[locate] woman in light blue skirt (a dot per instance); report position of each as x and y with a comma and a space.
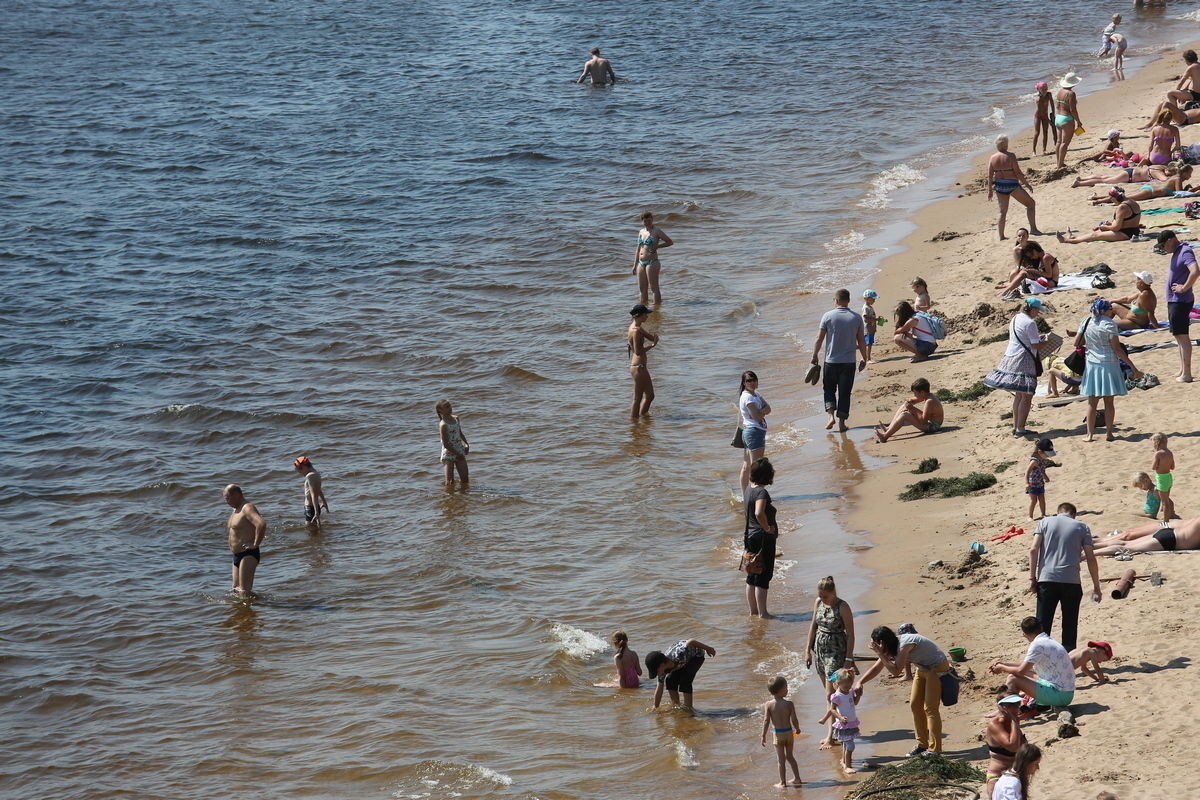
1102, 376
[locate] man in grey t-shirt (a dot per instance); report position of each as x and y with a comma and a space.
841, 333
1059, 544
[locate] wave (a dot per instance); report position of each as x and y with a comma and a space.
576, 642
484, 180
452, 778
996, 118
1191, 16
684, 755
509, 371
850, 240
198, 412
515, 155
747, 308
787, 663
889, 181
788, 437
243, 241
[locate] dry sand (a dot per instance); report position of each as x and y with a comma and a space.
1134, 729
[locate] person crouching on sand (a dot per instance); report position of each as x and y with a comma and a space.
923, 411
1088, 659
780, 713
1005, 179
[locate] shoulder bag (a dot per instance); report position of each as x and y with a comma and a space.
1078, 358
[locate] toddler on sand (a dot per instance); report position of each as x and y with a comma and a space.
1035, 476
921, 289
844, 715
626, 661
1089, 658
780, 713
1151, 503
1164, 462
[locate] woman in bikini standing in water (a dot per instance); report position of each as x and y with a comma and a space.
1004, 179
645, 258
643, 387
1066, 115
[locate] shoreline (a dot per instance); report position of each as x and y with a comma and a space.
957, 611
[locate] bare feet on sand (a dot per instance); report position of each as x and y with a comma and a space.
829, 425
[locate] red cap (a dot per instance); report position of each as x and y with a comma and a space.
1105, 646
301, 462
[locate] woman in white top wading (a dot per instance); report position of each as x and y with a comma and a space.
754, 410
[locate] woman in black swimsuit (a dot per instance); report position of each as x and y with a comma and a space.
1003, 736
1126, 223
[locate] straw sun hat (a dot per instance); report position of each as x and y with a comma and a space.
1069, 80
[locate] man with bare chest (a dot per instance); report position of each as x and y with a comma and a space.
599, 69
246, 531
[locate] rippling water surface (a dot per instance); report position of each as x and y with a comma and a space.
232, 233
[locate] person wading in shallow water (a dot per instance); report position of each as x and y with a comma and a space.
246, 531
639, 370
599, 69
841, 333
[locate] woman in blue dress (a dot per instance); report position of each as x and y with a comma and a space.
1102, 377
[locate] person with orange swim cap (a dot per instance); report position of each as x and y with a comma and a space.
314, 495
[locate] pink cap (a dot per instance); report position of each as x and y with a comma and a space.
1041, 85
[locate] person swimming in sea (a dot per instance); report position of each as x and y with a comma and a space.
636, 343
1005, 179
598, 69
645, 259
246, 531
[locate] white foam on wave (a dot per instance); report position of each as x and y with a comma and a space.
487, 773
684, 755
787, 663
996, 118
787, 437
1027, 98
851, 240
783, 565
576, 642
1192, 16
889, 181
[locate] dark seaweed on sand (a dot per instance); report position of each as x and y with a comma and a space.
925, 778
926, 465
973, 392
948, 487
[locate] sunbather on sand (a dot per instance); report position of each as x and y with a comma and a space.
1179, 534
1149, 191
1127, 175
1178, 115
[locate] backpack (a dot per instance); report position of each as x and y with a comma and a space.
937, 328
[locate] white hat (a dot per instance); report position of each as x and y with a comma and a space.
1144, 277
1069, 80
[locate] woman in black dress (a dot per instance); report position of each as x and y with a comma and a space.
760, 535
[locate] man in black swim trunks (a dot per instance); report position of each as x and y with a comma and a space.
246, 531
1178, 534
1190, 79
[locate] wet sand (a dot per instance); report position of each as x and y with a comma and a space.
1131, 727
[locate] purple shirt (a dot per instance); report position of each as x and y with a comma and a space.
1182, 261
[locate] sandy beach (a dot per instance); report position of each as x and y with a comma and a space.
1131, 726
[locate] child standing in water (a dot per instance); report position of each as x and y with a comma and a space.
870, 320
1151, 503
1036, 478
1041, 118
921, 301
454, 444
1164, 462
1106, 36
844, 716
781, 713
626, 662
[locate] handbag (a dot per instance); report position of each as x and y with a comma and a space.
751, 563
1078, 358
1037, 362
950, 687
737, 439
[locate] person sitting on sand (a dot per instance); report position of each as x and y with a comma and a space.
1126, 223
1147, 191
1089, 659
1056, 371
913, 333
923, 411
1137, 310
1045, 674
1179, 116
1153, 537
1141, 174
1014, 783
1164, 140
1109, 150
1005, 179
1034, 265
1188, 88
1003, 737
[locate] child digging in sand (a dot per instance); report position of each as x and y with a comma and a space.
626, 661
780, 713
1164, 462
1036, 478
844, 715
1151, 503
1089, 659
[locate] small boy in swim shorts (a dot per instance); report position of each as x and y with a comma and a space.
1164, 462
870, 320
780, 713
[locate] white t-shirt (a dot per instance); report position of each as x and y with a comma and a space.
1026, 331
745, 400
1008, 787
1052, 661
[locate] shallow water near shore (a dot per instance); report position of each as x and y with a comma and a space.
237, 233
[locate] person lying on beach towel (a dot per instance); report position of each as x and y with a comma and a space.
1149, 191
1153, 537
1127, 175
